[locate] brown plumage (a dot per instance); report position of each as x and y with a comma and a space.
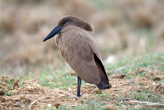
79, 50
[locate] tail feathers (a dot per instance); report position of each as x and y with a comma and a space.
104, 83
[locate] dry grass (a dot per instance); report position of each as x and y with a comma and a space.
125, 27
30, 95
139, 79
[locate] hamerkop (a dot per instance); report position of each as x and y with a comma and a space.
79, 50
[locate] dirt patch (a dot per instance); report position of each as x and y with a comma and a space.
119, 76
30, 95
159, 88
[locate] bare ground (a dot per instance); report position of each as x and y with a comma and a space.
30, 95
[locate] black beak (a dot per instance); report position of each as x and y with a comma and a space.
55, 31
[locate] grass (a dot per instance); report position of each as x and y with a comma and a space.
133, 22
142, 96
148, 63
57, 79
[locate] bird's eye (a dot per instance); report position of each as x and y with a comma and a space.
64, 22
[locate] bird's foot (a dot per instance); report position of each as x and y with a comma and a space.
78, 95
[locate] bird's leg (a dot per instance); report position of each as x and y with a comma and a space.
78, 86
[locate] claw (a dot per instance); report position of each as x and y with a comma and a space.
78, 87
78, 95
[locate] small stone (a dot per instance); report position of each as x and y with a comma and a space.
49, 105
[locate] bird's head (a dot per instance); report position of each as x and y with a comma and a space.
67, 21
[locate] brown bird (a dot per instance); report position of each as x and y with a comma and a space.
79, 50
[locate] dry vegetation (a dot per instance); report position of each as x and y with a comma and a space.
123, 94
122, 29
125, 27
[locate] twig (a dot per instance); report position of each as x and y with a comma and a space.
117, 70
146, 104
32, 104
125, 99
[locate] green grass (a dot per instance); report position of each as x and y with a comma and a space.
144, 95
57, 79
7, 87
150, 62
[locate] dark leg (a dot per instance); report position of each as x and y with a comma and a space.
78, 86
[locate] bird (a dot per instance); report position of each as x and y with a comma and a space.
79, 49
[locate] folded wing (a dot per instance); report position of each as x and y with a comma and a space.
79, 55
